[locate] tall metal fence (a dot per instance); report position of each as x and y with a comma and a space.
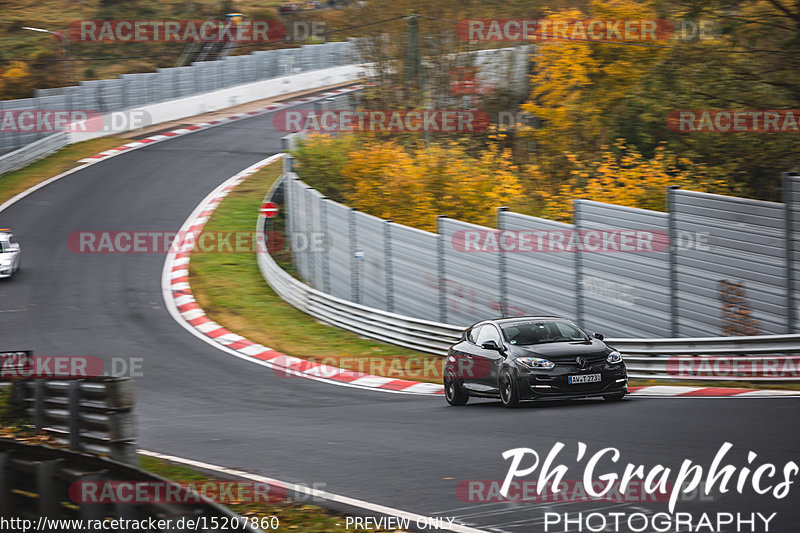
135, 90
711, 266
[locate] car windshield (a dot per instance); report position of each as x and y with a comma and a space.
543, 331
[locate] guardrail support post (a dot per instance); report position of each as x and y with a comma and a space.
311, 263
355, 292
789, 220
288, 161
388, 264
38, 405
6, 497
74, 410
326, 243
92, 511
441, 270
48, 490
125, 452
501, 262
673, 260
580, 314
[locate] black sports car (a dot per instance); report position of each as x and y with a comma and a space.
531, 358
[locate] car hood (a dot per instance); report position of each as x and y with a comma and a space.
562, 351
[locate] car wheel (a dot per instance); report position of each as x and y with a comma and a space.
453, 392
614, 397
509, 394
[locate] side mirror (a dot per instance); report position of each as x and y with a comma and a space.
490, 345
598, 336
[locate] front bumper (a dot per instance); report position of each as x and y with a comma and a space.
554, 383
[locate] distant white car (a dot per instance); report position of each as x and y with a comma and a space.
10, 254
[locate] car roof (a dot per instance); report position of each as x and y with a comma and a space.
515, 319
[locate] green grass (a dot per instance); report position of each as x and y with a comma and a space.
17, 181
230, 288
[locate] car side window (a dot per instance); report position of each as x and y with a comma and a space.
489, 333
472, 335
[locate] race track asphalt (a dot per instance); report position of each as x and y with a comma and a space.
406, 452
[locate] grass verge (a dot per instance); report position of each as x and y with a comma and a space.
231, 290
229, 287
65, 159
233, 293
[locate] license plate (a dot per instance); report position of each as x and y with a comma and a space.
585, 378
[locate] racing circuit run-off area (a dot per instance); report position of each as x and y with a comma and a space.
378, 266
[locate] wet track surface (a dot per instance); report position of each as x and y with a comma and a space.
400, 451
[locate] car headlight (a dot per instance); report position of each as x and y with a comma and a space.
5, 262
614, 357
536, 362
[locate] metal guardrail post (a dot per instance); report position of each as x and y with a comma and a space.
579, 283
18, 399
74, 410
673, 260
5, 485
441, 270
355, 292
388, 267
48, 489
501, 262
311, 263
789, 220
93, 511
326, 250
38, 405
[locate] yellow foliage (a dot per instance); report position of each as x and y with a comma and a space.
16, 80
413, 185
627, 179
577, 84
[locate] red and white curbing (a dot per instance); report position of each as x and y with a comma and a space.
184, 308
181, 302
663, 391
205, 125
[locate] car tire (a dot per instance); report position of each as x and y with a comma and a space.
509, 395
614, 397
453, 392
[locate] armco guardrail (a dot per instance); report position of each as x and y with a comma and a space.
89, 415
35, 483
137, 91
32, 152
713, 265
422, 335
651, 358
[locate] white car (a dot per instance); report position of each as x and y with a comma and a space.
10, 254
